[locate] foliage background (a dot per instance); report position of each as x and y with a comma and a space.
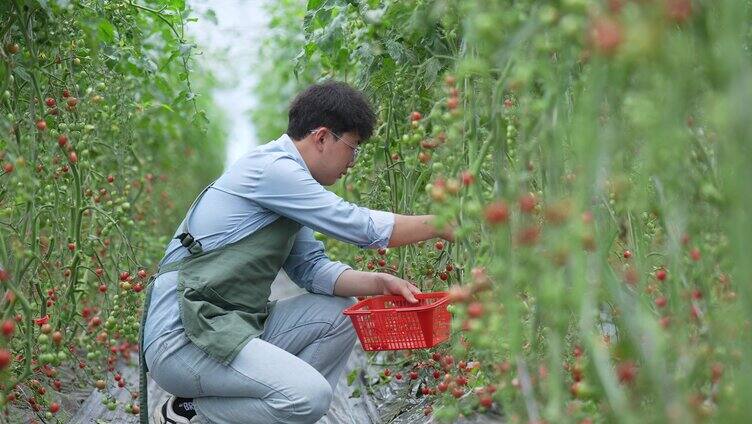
612, 137
93, 184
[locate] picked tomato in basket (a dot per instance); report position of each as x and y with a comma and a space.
390, 322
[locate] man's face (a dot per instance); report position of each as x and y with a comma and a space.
338, 154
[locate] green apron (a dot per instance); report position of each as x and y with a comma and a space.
223, 294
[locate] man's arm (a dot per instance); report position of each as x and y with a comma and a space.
407, 229
410, 229
288, 189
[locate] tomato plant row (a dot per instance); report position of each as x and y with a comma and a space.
101, 136
593, 154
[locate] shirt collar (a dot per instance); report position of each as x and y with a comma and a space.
289, 146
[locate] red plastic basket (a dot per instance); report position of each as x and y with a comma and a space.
391, 322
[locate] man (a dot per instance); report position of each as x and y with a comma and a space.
211, 337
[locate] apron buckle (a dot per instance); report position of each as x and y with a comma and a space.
187, 240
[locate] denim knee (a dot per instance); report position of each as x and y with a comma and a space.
313, 403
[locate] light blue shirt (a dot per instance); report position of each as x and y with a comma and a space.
269, 181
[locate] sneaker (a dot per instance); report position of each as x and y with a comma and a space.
176, 410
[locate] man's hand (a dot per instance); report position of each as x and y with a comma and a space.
397, 286
447, 233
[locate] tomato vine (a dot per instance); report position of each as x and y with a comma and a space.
99, 120
588, 151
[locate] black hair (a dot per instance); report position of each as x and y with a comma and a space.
332, 104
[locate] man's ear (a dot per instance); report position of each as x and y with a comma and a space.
318, 138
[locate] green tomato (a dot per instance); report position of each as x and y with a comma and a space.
472, 207
548, 15
571, 25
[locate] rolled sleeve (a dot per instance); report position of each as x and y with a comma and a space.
381, 225
308, 266
325, 277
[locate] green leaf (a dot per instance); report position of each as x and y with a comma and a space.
395, 50
180, 98
310, 48
166, 106
21, 72
169, 59
351, 376
356, 393
150, 66
314, 4
162, 84
178, 4
432, 68
106, 31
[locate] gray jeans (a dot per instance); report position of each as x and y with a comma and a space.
287, 375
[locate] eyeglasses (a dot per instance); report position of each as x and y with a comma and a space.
355, 149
